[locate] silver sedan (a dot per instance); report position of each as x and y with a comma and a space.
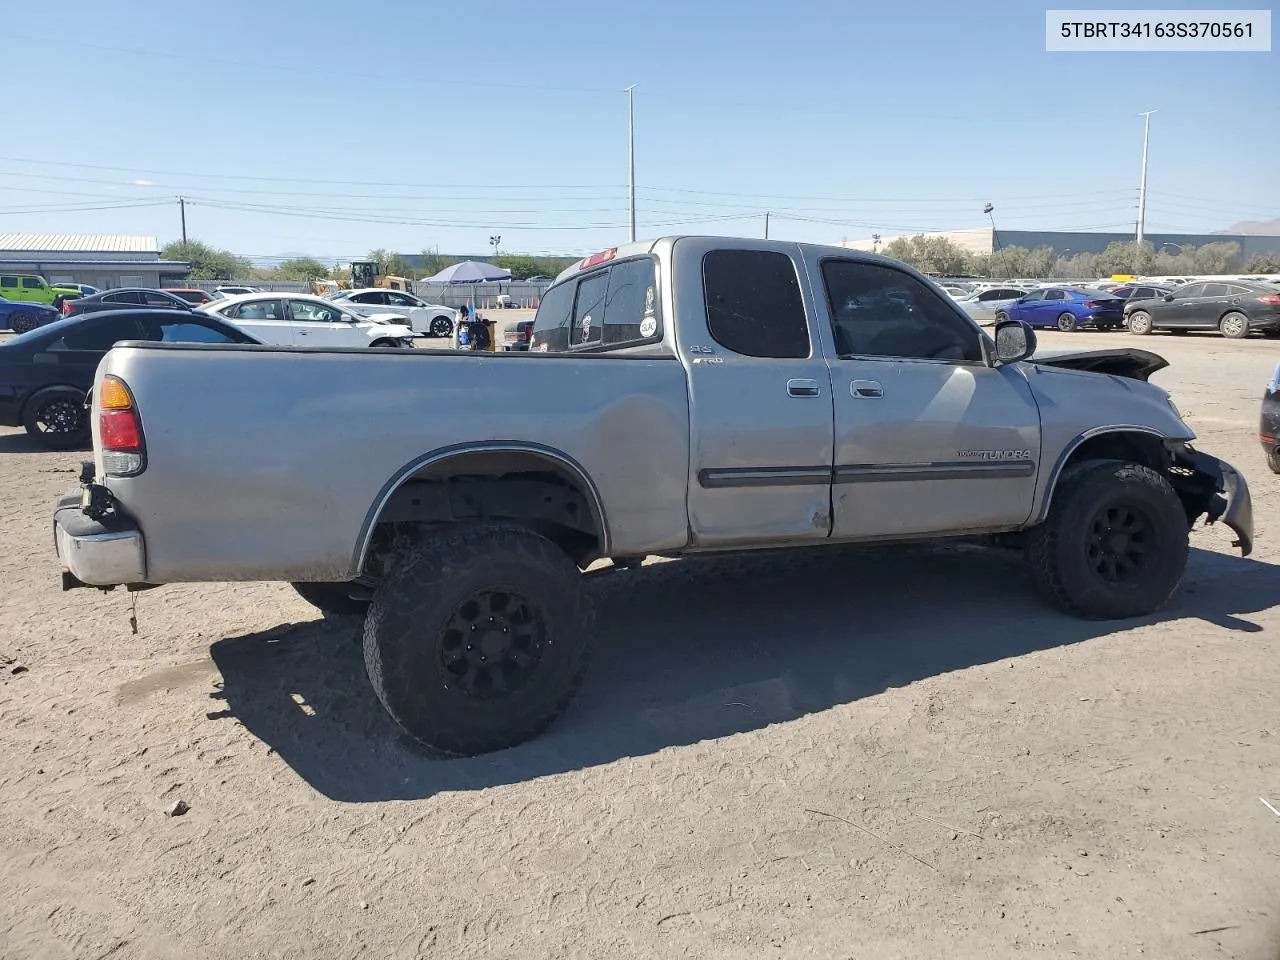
983, 305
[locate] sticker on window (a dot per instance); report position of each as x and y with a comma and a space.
648, 326
586, 328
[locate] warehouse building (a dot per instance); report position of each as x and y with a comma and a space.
105, 261
985, 240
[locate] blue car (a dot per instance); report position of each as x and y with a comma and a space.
21, 317
1067, 309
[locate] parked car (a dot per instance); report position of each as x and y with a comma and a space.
296, 319
1235, 309
21, 317
123, 299
464, 494
193, 295
982, 305
517, 336
45, 373
235, 290
1141, 291
83, 288
1269, 428
431, 319
23, 288
1067, 309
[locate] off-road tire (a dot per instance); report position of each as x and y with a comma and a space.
408, 636
331, 599
1142, 319
1059, 550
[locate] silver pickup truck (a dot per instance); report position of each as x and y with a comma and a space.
686, 395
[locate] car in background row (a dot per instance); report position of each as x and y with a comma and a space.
431, 319
83, 288
21, 317
45, 374
1141, 291
192, 295
517, 336
1269, 427
295, 319
1066, 308
124, 298
235, 290
983, 305
1235, 309
24, 288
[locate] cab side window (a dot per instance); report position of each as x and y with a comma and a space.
878, 311
753, 302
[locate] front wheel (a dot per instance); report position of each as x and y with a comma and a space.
1234, 325
478, 638
1114, 544
1067, 323
441, 327
57, 418
22, 322
1273, 459
1140, 323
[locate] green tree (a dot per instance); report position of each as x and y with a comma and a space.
303, 268
1263, 263
390, 263
521, 267
207, 263
936, 255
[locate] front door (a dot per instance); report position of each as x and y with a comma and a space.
321, 325
1182, 311
759, 397
928, 437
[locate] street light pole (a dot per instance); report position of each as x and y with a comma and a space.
1142, 186
631, 156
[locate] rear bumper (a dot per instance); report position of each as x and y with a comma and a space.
96, 553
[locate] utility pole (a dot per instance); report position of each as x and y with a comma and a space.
631, 156
1142, 188
182, 207
766, 224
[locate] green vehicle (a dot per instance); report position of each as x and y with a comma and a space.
22, 288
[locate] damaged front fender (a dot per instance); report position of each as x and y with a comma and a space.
1214, 488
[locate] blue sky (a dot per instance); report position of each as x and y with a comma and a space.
332, 128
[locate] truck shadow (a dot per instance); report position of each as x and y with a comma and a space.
696, 650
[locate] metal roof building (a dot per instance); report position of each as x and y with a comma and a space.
101, 260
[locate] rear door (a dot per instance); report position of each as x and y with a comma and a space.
265, 319
761, 441
928, 437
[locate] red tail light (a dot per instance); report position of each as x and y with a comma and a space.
66, 308
1270, 299
119, 429
526, 334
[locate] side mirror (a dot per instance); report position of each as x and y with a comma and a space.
1168, 297
1015, 340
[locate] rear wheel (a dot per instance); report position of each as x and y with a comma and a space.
1114, 544
1273, 459
387, 342
1140, 322
478, 638
57, 418
1067, 323
1234, 325
21, 321
441, 327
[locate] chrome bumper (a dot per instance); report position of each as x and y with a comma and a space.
96, 553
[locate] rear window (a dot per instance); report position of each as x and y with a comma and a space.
551, 323
588, 310
753, 301
186, 331
607, 309
101, 333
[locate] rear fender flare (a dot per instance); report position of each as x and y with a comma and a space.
555, 458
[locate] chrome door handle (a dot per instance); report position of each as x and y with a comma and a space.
866, 389
803, 388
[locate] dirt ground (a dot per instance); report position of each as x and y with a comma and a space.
895, 753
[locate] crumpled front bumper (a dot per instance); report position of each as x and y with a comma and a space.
1229, 500
96, 553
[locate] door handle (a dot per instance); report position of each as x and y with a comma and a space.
866, 389
803, 388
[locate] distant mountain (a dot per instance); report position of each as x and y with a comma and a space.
1254, 228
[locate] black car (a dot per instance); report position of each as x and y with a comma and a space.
46, 373
1269, 428
124, 299
1237, 308
1141, 291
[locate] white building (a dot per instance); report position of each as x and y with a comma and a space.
100, 260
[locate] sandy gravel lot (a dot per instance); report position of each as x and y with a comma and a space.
898, 753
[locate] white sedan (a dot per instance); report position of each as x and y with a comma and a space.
984, 305
432, 319
298, 320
